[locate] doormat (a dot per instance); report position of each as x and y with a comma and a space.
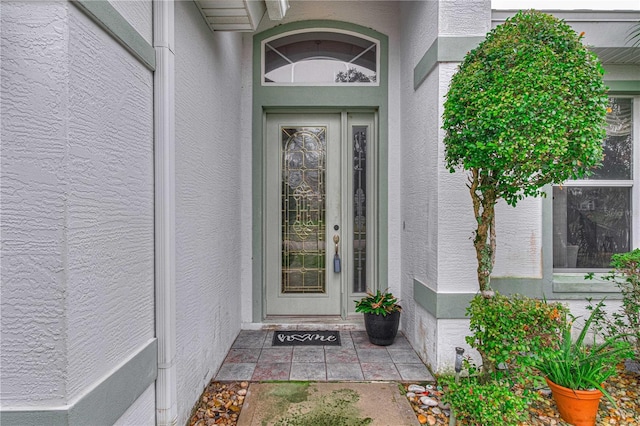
306, 338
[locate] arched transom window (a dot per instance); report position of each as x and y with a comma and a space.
320, 57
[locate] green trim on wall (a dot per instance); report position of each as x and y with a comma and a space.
316, 98
107, 17
443, 49
102, 405
530, 287
629, 87
441, 305
425, 65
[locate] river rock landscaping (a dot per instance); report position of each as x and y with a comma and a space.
221, 402
624, 388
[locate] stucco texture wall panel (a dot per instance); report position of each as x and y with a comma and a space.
464, 17
208, 200
519, 239
110, 210
33, 156
447, 345
419, 30
425, 341
419, 176
456, 254
139, 14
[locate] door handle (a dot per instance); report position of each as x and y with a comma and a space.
336, 257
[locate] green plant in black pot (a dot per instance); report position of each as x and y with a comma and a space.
577, 371
378, 303
381, 316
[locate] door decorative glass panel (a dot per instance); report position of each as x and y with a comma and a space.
318, 215
359, 209
303, 209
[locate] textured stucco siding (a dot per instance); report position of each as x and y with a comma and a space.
419, 176
519, 239
34, 156
77, 204
208, 200
139, 14
110, 231
456, 255
451, 334
464, 17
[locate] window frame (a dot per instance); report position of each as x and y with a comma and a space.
263, 45
563, 274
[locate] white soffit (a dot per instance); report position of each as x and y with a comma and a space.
240, 15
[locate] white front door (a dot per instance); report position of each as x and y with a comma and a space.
315, 186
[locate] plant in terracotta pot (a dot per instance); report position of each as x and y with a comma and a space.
576, 372
381, 316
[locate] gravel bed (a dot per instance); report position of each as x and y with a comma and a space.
221, 402
624, 389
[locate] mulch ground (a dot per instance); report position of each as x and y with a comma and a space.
221, 402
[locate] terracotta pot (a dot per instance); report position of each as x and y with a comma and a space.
577, 407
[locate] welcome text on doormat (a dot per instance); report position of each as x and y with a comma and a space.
306, 338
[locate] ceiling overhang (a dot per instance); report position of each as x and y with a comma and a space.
240, 15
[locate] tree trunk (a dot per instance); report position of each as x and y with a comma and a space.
484, 202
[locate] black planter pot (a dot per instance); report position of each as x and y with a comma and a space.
382, 330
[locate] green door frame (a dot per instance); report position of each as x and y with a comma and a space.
310, 98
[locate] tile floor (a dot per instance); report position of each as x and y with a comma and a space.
253, 358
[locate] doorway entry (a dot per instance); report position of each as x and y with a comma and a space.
319, 216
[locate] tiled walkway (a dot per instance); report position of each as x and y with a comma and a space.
253, 358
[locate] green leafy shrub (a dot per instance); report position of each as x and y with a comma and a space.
577, 366
624, 323
379, 303
497, 402
512, 332
525, 109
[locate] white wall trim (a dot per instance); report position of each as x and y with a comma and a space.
165, 208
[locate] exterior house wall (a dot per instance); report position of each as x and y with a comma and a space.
77, 206
77, 197
209, 230
437, 215
34, 130
419, 168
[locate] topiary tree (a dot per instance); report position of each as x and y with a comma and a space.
526, 108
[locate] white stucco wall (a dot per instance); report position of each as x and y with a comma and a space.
77, 204
419, 167
456, 255
109, 229
33, 155
209, 229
